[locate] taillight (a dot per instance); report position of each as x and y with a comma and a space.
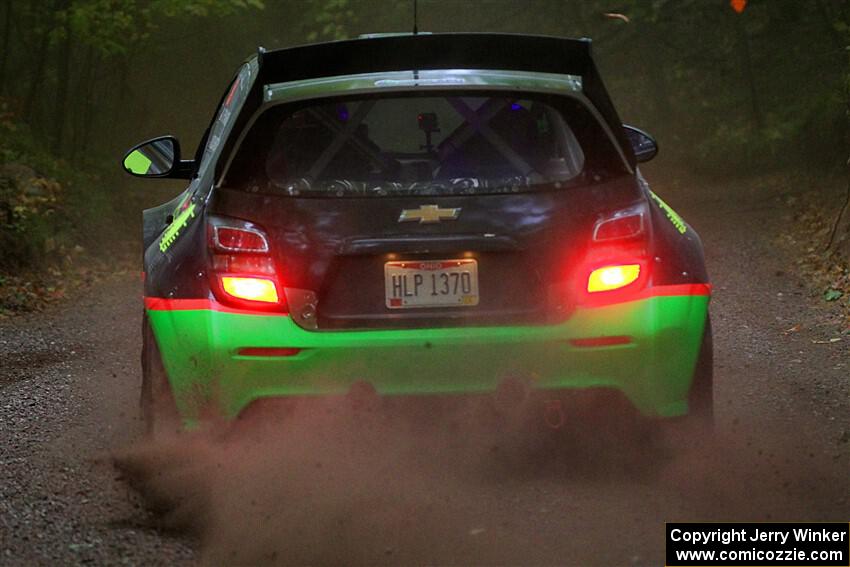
252, 289
242, 271
237, 263
609, 278
231, 239
622, 225
616, 263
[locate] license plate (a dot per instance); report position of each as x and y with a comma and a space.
437, 283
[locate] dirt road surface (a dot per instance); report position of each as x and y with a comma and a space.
68, 403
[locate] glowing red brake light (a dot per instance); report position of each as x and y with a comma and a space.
250, 289
609, 278
242, 271
616, 265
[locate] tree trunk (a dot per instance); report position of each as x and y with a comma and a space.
63, 67
840, 235
37, 77
84, 94
4, 44
832, 14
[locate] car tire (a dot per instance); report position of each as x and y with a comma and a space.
159, 411
701, 396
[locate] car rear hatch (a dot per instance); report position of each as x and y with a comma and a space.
420, 210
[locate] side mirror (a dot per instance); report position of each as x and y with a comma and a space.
644, 146
159, 157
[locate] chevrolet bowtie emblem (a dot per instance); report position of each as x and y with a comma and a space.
428, 214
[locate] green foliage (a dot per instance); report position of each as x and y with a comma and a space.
110, 27
204, 8
60, 50
736, 92
29, 200
832, 295
47, 205
329, 19
116, 28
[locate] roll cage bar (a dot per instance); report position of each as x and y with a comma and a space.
475, 122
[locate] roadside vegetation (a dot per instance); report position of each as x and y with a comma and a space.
730, 89
811, 239
63, 225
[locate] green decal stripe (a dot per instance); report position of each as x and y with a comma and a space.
672, 215
199, 349
173, 230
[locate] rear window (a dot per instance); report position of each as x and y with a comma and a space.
423, 145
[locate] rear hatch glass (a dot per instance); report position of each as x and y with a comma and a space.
423, 144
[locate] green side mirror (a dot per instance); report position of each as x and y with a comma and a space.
159, 157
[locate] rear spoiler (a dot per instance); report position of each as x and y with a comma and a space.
508, 52
428, 51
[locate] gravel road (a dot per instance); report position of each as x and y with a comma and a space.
68, 404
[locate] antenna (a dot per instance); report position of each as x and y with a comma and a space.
415, 17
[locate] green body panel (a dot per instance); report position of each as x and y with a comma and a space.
199, 351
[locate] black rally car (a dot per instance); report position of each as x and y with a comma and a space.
422, 214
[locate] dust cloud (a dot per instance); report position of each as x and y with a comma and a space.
333, 483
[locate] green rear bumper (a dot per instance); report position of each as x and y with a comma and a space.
199, 350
